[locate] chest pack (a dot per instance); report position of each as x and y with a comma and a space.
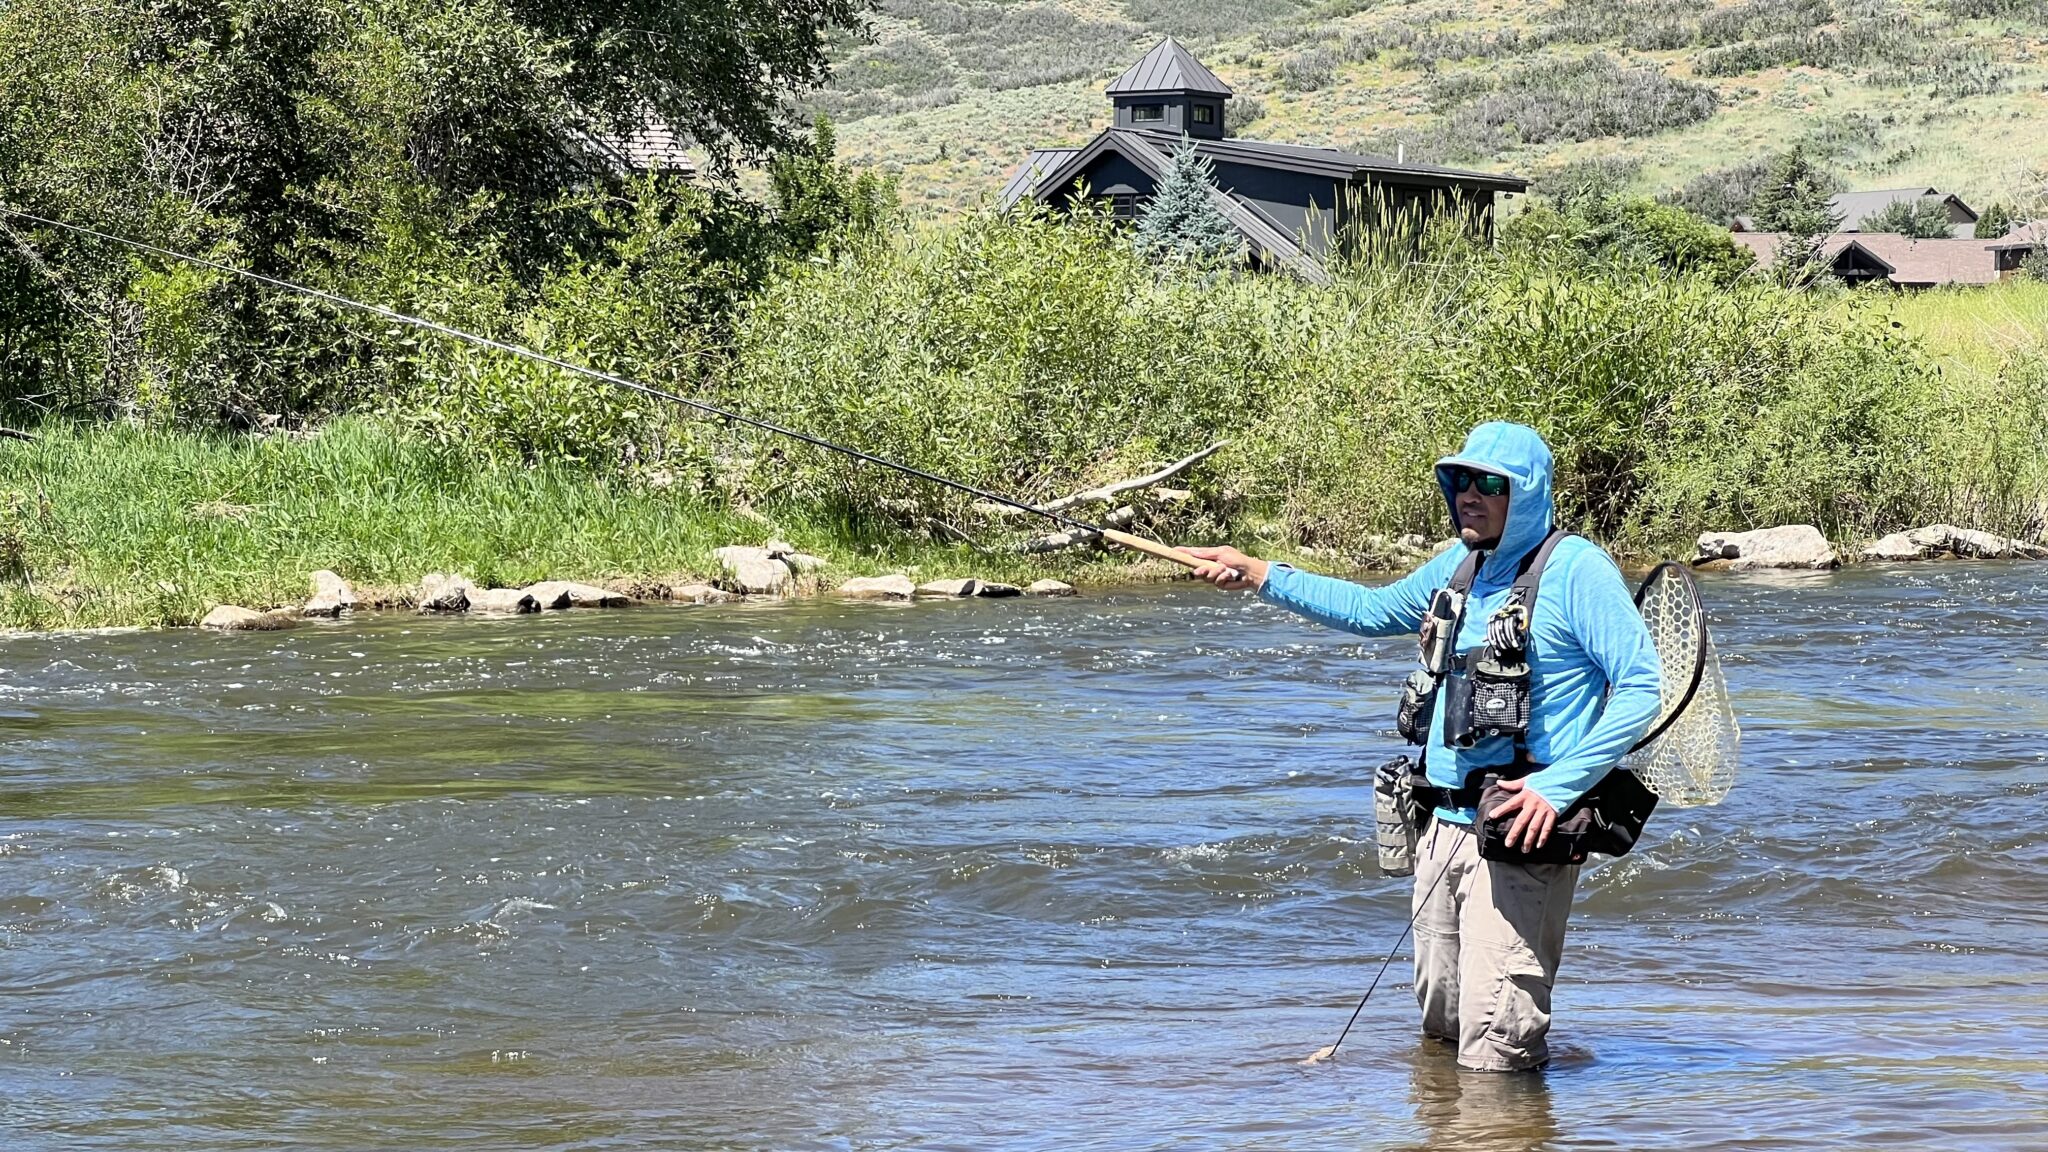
1485, 692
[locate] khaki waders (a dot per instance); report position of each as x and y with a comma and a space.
1488, 939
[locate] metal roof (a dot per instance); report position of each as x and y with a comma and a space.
1041, 164
1329, 161
1852, 208
1168, 67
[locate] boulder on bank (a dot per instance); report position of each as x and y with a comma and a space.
802, 563
1049, 588
895, 586
997, 590
229, 618
949, 588
1938, 541
1799, 546
445, 592
503, 602
331, 596
752, 571
558, 594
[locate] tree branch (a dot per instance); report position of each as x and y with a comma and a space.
1110, 492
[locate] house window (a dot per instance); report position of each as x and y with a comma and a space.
1148, 113
1124, 206
1204, 114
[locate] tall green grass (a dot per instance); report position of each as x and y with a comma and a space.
123, 525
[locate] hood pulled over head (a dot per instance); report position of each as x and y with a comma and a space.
1518, 453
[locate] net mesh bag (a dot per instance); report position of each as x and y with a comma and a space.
1693, 761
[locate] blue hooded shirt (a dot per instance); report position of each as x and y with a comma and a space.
1594, 673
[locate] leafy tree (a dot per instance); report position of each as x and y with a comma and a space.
1996, 221
1633, 230
1924, 218
817, 198
1182, 222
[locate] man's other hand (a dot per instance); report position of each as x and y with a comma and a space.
1227, 568
1534, 817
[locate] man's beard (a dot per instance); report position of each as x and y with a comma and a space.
1473, 541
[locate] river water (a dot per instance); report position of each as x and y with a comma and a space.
1089, 873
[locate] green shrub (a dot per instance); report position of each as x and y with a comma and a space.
1564, 99
1037, 356
1925, 218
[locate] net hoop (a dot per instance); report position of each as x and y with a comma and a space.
1699, 658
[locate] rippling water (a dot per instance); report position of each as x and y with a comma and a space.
1044, 875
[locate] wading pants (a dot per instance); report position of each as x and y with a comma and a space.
1488, 937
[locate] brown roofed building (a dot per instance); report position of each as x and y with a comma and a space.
1900, 261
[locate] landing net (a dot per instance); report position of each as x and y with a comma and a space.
1694, 750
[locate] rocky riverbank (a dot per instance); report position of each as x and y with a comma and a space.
770, 571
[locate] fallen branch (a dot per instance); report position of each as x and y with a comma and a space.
17, 434
1072, 536
1110, 492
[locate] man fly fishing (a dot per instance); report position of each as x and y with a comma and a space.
1538, 676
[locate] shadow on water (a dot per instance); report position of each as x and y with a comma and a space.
1039, 875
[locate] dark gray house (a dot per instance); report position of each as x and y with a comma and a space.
1288, 200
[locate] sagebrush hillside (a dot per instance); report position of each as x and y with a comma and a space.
1952, 93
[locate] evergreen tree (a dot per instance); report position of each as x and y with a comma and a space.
1996, 221
1181, 223
1793, 199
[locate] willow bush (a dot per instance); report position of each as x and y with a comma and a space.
1038, 356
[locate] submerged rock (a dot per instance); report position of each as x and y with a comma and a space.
444, 592
701, 594
230, 618
1049, 588
951, 588
503, 602
997, 590
1799, 546
753, 571
331, 596
895, 586
557, 594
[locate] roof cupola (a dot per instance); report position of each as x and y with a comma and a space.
1170, 91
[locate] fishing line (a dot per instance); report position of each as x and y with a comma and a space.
1327, 1053
567, 366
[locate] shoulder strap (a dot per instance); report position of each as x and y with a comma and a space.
1530, 578
1468, 571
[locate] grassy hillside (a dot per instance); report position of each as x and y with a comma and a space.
1952, 93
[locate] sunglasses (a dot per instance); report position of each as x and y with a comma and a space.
1488, 483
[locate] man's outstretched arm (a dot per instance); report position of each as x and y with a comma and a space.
1393, 610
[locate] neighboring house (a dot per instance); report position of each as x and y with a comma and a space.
1900, 261
1851, 209
1287, 200
2009, 251
653, 147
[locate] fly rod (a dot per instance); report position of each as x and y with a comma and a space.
1123, 539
